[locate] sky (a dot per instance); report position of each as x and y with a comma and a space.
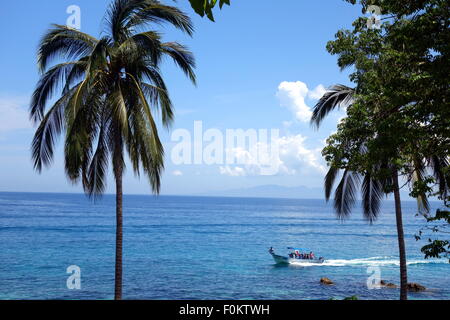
260, 67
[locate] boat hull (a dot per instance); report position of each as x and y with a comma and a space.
285, 260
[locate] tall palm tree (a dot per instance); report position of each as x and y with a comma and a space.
110, 89
374, 188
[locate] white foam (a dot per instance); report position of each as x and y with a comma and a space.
371, 261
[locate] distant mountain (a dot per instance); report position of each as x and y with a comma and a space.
272, 191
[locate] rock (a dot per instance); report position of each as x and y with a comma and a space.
415, 287
385, 284
326, 281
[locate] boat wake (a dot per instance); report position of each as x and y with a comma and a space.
372, 261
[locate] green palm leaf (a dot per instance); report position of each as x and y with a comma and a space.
346, 193
337, 96
109, 90
65, 43
372, 193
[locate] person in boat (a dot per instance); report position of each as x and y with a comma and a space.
311, 255
271, 250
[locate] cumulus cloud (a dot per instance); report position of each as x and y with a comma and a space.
292, 95
296, 157
13, 114
245, 162
177, 173
285, 155
317, 93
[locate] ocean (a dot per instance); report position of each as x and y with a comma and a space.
204, 248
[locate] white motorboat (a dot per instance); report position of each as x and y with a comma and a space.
296, 256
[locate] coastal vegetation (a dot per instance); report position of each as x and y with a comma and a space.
396, 131
395, 135
111, 90
414, 21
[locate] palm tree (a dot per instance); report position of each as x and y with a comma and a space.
110, 89
373, 187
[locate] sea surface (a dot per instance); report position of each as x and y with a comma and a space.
203, 248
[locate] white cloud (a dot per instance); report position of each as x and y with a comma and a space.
13, 114
317, 93
291, 157
292, 95
177, 173
296, 157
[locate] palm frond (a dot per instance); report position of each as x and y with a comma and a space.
345, 194
159, 97
154, 12
152, 75
119, 112
65, 43
76, 74
117, 16
110, 90
80, 116
46, 87
48, 131
337, 96
153, 161
372, 192
152, 166
438, 164
182, 57
98, 61
329, 181
94, 181
145, 45
418, 176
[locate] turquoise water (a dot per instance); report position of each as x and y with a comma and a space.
202, 248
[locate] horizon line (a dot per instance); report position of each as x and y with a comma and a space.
190, 196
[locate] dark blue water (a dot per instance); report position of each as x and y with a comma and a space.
202, 248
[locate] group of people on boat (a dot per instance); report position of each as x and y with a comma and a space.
298, 255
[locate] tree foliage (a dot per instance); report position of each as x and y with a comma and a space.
110, 91
205, 7
398, 112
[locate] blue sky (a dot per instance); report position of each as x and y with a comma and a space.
261, 65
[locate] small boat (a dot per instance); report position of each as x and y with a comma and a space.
296, 256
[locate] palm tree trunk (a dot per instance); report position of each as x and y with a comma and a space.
119, 236
401, 239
